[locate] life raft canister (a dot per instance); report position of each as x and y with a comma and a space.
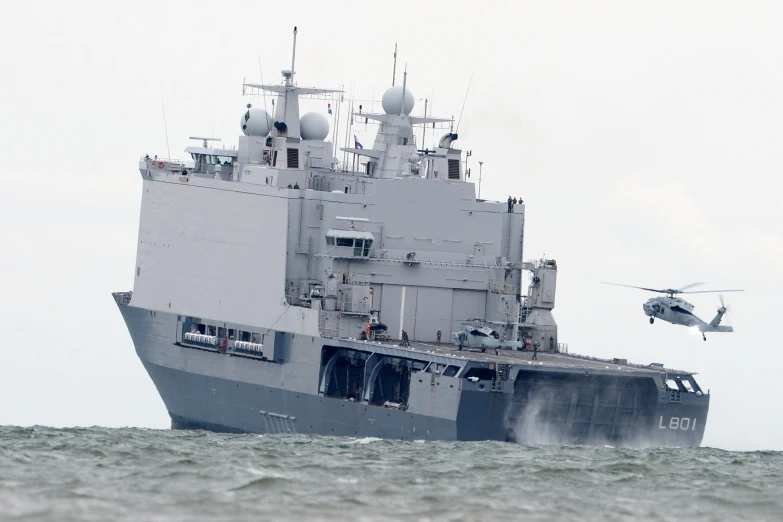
161, 164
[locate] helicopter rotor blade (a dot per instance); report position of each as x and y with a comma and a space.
638, 287
711, 291
688, 286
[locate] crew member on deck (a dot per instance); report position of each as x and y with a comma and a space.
535, 351
437, 343
404, 341
510, 205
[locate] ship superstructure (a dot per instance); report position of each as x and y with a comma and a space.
277, 290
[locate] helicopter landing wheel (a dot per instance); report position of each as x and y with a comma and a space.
652, 320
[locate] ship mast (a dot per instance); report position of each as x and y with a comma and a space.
290, 79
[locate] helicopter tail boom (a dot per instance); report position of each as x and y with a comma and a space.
720, 328
714, 325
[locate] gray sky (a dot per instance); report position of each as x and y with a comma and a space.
644, 140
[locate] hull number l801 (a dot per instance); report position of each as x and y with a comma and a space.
678, 423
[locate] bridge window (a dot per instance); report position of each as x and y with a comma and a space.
360, 242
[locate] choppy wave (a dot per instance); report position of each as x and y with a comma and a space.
136, 474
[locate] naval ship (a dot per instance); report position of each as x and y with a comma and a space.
279, 290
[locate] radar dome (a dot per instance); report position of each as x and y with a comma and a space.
314, 126
392, 100
256, 122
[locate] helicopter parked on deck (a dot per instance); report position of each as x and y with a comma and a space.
479, 333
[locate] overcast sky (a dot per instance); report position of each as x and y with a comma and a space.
644, 139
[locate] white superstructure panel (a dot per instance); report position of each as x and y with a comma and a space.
215, 253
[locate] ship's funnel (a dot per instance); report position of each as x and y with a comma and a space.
281, 127
447, 139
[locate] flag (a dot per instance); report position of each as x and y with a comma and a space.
356, 143
329, 107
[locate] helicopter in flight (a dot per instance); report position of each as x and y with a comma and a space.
676, 310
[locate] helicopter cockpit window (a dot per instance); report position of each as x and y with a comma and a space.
478, 333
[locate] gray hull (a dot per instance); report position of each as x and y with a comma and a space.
231, 392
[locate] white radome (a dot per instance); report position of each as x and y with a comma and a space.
392, 100
255, 122
314, 126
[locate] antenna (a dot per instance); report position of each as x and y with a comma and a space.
481, 164
394, 70
465, 101
336, 128
404, 82
293, 57
165, 127
263, 91
289, 77
424, 127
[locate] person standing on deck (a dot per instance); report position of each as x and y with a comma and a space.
535, 351
437, 343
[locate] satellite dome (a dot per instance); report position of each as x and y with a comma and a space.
314, 126
392, 100
255, 122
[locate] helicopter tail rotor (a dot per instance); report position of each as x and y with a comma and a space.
723, 306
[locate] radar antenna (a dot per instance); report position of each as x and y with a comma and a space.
206, 140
